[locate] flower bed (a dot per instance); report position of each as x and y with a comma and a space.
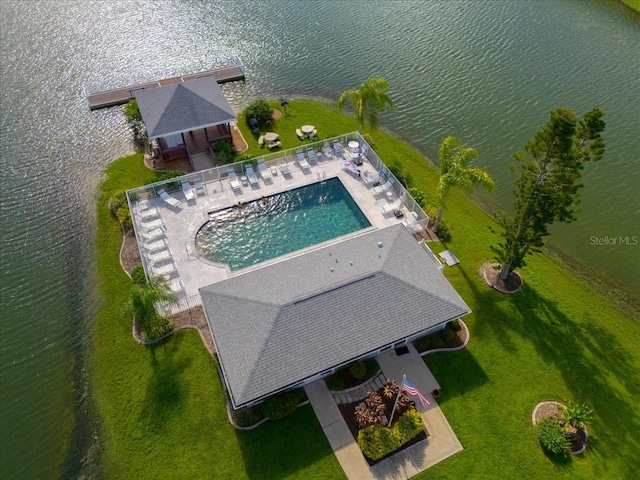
368, 421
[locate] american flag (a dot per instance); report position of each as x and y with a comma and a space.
411, 389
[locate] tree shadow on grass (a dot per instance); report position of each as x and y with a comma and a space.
591, 362
166, 391
282, 448
456, 372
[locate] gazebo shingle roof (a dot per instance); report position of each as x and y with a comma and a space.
182, 107
287, 321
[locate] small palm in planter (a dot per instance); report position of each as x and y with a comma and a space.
575, 416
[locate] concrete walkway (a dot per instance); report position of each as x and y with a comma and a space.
441, 444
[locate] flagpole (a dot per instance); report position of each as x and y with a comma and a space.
404, 377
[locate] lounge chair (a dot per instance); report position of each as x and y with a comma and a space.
168, 199
145, 214
311, 155
251, 175
390, 207
263, 170
197, 183
284, 168
337, 148
233, 179
186, 189
159, 256
382, 188
301, 135
304, 165
155, 246
152, 235
327, 150
151, 224
166, 269
351, 168
276, 144
369, 179
176, 287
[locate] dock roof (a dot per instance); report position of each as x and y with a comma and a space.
183, 107
288, 321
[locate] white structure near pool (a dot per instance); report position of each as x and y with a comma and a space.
319, 292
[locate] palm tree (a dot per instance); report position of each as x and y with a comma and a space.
455, 171
142, 306
368, 101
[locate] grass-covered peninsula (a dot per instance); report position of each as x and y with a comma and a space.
162, 407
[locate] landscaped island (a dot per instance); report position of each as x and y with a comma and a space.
163, 408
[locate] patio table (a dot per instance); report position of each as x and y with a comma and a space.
271, 136
307, 129
353, 145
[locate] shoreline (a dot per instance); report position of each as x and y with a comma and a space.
121, 393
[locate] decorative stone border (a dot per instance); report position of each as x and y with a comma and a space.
558, 406
451, 349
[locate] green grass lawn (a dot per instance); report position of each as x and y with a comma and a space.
162, 407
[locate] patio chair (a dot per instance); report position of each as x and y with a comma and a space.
233, 179
151, 224
263, 170
152, 235
158, 257
164, 270
176, 287
313, 133
327, 150
304, 165
168, 199
300, 135
197, 183
284, 168
390, 207
337, 148
148, 213
186, 189
251, 175
311, 155
382, 188
155, 246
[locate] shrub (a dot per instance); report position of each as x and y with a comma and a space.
444, 231
258, 109
552, 437
403, 177
447, 335
390, 389
162, 176
409, 425
377, 441
119, 206
134, 117
137, 275
418, 195
281, 405
423, 343
369, 140
248, 416
358, 370
335, 382
154, 326
224, 152
454, 325
437, 340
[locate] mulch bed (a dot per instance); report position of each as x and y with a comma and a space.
490, 272
348, 413
457, 341
553, 410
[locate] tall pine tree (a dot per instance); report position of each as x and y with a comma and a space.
547, 190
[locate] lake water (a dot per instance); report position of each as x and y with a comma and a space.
486, 72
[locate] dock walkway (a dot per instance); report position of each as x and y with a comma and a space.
120, 96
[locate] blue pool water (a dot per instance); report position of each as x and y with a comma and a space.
279, 224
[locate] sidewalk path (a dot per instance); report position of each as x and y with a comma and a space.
441, 444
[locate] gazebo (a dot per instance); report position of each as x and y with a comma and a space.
197, 108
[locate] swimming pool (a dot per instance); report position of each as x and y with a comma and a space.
283, 223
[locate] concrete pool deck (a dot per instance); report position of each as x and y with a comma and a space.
183, 223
